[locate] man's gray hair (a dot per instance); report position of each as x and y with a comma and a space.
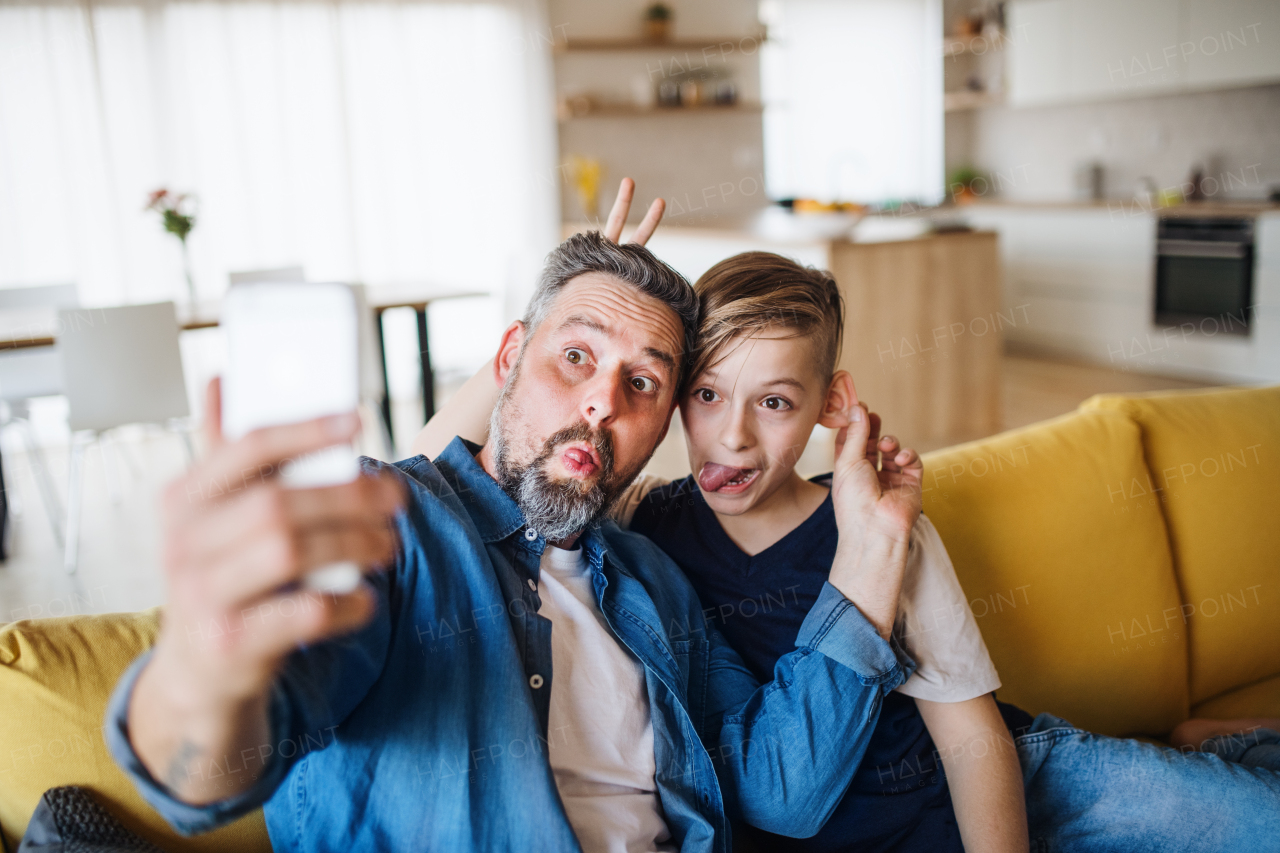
629, 262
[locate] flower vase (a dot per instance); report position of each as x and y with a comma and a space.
186, 270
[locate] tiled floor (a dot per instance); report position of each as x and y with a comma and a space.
119, 557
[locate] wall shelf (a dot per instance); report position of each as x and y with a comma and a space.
966, 100
628, 111
608, 45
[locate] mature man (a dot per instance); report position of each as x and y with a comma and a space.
422, 711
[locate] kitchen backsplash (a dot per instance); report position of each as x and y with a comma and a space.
1042, 153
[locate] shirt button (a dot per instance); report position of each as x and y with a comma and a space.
535, 681
530, 534
533, 585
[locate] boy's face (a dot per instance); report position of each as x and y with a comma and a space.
748, 417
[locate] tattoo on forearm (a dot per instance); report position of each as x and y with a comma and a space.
178, 775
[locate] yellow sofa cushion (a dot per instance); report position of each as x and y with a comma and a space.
56, 676
1072, 592
1257, 700
1214, 458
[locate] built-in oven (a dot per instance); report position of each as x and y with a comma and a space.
1204, 273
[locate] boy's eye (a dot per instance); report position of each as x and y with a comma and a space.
575, 356
706, 395
644, 383
777, 404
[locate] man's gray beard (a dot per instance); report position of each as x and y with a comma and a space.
557, 510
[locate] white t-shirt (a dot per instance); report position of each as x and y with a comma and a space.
935, 624
600, 738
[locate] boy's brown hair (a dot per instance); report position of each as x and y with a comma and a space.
759, 291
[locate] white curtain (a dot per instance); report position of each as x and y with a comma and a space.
367, 141
853, 100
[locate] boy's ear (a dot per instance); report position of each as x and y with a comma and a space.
508, 352
841, 398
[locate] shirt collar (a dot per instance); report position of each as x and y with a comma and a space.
495, 514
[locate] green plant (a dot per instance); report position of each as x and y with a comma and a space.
963, 176
177, 216
658, 12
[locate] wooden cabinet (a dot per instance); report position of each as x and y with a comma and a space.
1230, 42
923, 333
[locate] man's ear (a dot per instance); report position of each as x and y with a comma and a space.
841, 398
508, 352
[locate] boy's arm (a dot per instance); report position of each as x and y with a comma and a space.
982, 770
466, 414
785, 751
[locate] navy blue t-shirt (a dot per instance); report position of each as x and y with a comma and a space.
898, 799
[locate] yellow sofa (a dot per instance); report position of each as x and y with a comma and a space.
1123, 562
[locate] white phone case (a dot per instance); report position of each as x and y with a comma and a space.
293, 354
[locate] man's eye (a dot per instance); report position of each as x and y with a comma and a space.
575, 356
777, 404
644, 383
706, 395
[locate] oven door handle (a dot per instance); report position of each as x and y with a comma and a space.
1200, 249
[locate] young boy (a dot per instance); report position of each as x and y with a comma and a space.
757, 541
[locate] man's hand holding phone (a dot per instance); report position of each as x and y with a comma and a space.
237, 546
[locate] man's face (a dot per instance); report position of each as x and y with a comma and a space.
586, 400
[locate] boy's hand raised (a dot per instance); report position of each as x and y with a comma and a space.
888, 498
622, 207
875, 511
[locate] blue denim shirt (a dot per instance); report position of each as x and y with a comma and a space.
427, 729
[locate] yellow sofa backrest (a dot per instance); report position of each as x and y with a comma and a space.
1060, 533
1074, 593
56, 676
1214, 470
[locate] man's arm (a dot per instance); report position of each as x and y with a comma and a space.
236, 544
786, 751
982, 770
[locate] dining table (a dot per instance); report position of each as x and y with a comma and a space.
27, 329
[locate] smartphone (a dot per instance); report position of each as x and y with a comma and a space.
293, 354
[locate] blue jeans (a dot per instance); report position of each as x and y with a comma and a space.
1088, 793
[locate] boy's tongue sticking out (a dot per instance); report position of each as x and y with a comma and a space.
713, 477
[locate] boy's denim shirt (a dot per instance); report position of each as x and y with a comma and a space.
427, 729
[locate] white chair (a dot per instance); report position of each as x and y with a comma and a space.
45, 296
29, 372
278, 274
120, 366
